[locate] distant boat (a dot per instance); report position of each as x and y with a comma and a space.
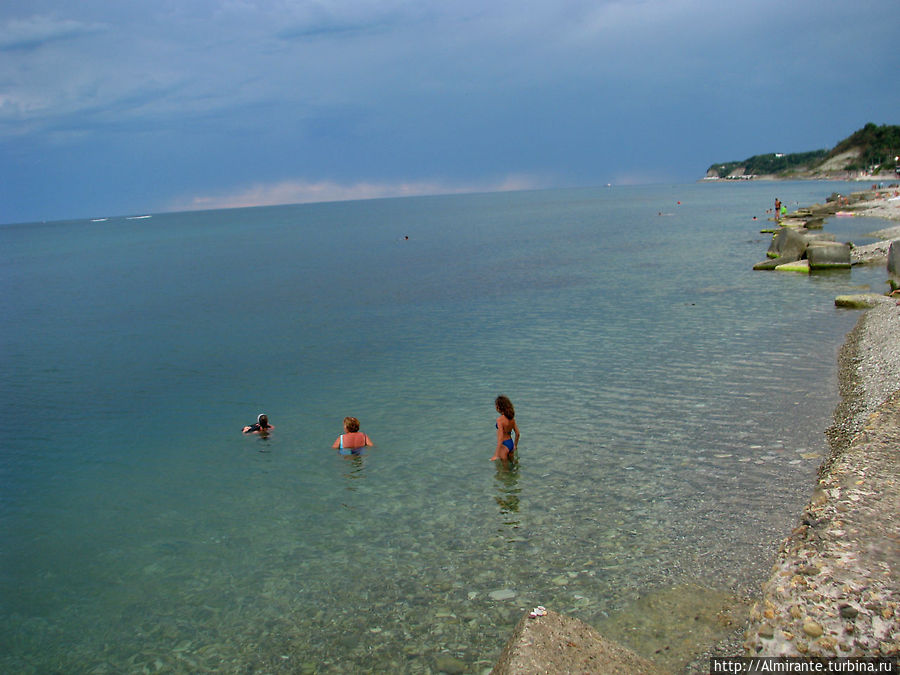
99, 220
137, 217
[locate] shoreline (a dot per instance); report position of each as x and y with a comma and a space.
834, 589
805, 591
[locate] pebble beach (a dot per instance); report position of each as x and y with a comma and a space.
834, 588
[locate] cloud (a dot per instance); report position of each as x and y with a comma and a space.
245, 102
35, 31
302, 192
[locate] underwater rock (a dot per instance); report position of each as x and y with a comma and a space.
445, 663
502, 594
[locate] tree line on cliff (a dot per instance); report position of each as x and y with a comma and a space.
873, 149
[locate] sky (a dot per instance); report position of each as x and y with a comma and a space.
122, 107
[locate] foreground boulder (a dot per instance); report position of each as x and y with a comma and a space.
555, 643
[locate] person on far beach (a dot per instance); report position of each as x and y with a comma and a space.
262, 426
506, 426
352, 441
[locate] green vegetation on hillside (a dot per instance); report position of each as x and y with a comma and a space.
880, 146
877, 147
771, 163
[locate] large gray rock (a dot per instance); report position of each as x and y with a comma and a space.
893, 261
826, 255
787, 244
555, 643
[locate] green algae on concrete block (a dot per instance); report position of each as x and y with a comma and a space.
801, 266
858, 301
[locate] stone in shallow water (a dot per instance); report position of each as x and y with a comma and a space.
449, 664
503, 594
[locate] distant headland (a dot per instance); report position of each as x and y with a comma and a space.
872, 153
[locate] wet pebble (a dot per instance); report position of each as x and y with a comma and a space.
812, 629
502, 594
849, 612
445, 663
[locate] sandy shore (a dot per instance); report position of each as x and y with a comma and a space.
835, 587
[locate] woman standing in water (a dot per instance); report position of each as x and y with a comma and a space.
352, 441
506, 426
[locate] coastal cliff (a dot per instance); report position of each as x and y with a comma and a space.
868, 154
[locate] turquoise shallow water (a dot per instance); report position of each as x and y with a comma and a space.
672, 403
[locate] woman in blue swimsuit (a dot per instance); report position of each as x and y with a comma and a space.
352, 441
506, 426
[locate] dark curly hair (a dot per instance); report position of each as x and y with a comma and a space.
505, 407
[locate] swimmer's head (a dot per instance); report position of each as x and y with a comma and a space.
263, 420
505, 407
351, 424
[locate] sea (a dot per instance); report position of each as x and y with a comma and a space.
672, 402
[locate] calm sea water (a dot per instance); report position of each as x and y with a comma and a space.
672, 403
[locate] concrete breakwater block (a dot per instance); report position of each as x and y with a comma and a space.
555, 643
801, 266
825, 255
893, 260
860, 300
787, 244
768, 264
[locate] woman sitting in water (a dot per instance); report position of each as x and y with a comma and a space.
506, 425
262, 426
352, 441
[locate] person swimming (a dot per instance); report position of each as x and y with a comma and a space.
506, 426
261, 427
352, 441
